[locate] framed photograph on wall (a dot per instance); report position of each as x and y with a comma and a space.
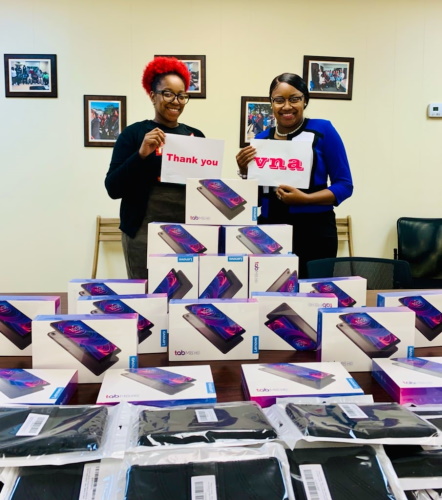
256, 116
104, 119
329, 77
30, 75
197, 68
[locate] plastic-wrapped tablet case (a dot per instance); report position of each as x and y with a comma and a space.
180, 240
286, 282
205, 424
15, 325
162, 380
175, 284
45, 430
17, 383
415, 462
300, 374
348, 421
224, 285
259, 479
428, 317
344, 300
222, 196
257, 240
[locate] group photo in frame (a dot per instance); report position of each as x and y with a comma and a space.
329, 77
197, 69
104, 119
256, 116
30, 75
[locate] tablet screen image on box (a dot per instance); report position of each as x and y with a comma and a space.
175, 284
300, 374
15, 325
344, 300
428, 317
162, 380
96, 289
85, 344
180, 240
223, 197
258, 241
17, 383
116, 306
420, 365
223, 286
287, 282
368, 334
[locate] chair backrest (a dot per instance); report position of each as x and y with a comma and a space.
381, 274
345, 232
107, 229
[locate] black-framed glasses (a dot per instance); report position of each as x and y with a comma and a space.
293, 99
170, 96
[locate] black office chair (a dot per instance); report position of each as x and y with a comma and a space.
381, 274
420, 244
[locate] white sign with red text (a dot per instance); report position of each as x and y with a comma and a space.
189, 157
281, 162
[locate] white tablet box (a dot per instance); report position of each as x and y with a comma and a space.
427, 306
223, 276
351, 290
265, 238
151, 310
16, 315
97, 287
159, 386
89, 343
264, 383
37, 387
356, 335
221, 201
273, 273
217, 329
175, 275
410, 380
289, 321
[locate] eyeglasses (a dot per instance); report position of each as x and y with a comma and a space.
170, 96
293, 99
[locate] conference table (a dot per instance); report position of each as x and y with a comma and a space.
226, 374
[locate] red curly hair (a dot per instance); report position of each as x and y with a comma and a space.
161, 66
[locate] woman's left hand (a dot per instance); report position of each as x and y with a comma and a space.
291, 195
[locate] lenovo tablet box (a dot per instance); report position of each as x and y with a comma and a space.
263, 383
351, 291
223, 276
159, 386
356, 335
427, 305
213, 329
410, 380
98, 287
37, 387
221, 201
152, 316
267, 238
16, 315
290, 320
89, 343
174, 275
273, 273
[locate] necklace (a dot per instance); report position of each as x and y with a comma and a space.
292, 132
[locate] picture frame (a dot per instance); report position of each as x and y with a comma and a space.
329, 77
110, 111
251, 122
30, 75
197, 68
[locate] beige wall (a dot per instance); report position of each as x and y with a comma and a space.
51, 186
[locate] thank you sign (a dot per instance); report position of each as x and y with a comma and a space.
191, 157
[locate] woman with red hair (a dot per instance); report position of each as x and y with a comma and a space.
135, 168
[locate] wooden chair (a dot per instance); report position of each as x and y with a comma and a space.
107, 229
345, 232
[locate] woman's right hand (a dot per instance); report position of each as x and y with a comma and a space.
152, 140
244, 157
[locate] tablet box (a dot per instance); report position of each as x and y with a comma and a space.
223, 276
290, 320
174, 275
273, 273
221, 201
410, 380
264, 383
97, 287
265, 238
351, 291
89, 343
217, 329
16, 315
37, 387
152, 316
356, 335
427, 306
166, 238
159, 386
